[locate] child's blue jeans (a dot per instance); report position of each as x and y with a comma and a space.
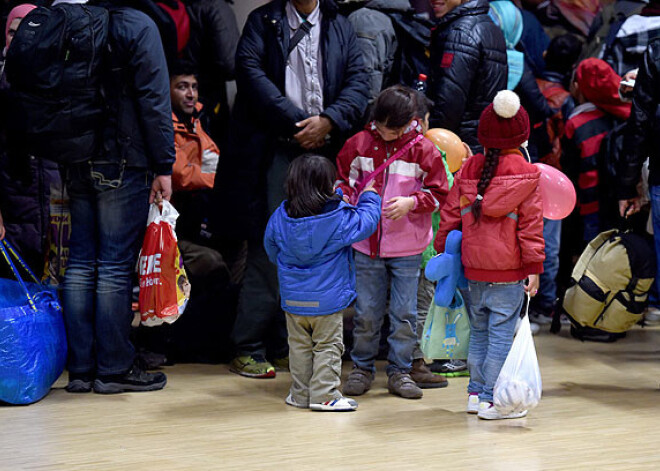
373, 278
494, 309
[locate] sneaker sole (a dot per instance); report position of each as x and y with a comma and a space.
520, 415
432, 385
405, 397
454, 374
116, 388
270, 374
472, 411
78, 386
322, 408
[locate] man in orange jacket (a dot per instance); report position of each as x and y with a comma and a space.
196, 153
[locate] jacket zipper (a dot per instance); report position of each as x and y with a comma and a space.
380, 222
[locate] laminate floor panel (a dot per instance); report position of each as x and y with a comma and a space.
600, 411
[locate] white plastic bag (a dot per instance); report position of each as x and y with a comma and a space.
518, 387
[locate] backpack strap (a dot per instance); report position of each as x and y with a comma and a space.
301, 32
387, 163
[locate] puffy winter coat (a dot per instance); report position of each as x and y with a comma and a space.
419, 173
468, 67
506, 244
139, 130
263, 115
314, 257
642, 134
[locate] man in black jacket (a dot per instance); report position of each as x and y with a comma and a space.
468, 66
641, 140
109, 201
301, 86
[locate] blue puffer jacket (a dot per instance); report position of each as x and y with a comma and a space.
314, 256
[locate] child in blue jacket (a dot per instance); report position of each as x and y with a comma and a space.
309, 237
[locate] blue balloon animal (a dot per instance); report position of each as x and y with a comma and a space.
446, 268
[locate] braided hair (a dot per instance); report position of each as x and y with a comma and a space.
487, 174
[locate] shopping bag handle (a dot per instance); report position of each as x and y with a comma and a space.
6, 250
20, 260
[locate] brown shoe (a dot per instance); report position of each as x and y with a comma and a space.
358, 382
424, 378
402, 385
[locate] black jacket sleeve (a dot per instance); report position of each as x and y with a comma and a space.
253, 82
347, 108
452, 79
531, 97
639, 127
152, 92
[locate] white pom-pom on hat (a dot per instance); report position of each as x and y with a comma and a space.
506, 104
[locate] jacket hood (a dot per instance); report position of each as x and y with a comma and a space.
512, 185
600, 85
307, 237
472, 7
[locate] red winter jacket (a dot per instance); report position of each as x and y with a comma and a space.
506, 245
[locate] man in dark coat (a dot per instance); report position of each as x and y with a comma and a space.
109, 196
468, 66
289, 102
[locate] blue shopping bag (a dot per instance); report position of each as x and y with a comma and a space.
32, 337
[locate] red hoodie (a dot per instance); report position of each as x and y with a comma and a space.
506, 245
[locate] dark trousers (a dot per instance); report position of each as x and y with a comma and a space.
260, 326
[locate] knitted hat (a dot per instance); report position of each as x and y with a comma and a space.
504, 124
600, 85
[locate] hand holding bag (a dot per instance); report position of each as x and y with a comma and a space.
518, 387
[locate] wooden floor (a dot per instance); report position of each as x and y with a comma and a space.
600, 411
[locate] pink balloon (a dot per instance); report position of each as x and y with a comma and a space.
557, 191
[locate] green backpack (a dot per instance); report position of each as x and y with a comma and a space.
447, 331
610, 284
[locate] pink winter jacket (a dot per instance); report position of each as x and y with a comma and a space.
419, 173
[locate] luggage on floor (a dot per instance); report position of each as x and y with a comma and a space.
32, 338
610, 286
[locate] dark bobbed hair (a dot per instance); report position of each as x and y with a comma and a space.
395, 106
309, 185
424, 105
563, 53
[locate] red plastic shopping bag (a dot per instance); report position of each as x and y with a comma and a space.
164, 286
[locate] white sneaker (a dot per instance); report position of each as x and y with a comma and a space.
342, 404
652, 315
488, 411
290, 401
473, 404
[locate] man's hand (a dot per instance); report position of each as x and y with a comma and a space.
161, 189
314, 130
629, 207
532, 285
398, 207
2, 228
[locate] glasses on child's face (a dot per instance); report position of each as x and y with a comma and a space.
389, 134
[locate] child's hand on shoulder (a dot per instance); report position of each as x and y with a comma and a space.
398, 207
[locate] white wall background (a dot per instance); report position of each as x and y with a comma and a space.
243, 7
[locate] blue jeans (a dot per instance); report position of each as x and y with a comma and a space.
655, 218
547, 295
493, 310
373, 277
109, 207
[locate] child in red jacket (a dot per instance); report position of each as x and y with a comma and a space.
497, 202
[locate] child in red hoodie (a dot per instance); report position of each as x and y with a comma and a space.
497, 202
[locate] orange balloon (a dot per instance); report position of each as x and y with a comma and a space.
451, 144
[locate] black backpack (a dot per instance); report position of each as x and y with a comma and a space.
413, 56
609, 155
54, 66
